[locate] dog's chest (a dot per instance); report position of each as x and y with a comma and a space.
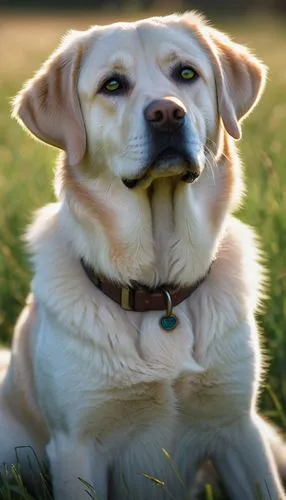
114, 348
223, 391
96, 368
105, 355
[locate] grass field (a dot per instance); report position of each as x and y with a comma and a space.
26, 173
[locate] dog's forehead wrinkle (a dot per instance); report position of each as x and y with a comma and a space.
108, 50
141, 33
171, 55
121, 61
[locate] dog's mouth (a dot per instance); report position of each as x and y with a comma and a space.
168, 163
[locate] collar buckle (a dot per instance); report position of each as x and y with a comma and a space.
125, 299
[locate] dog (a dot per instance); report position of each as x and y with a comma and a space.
137, 357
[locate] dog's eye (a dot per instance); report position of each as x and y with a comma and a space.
185, 74
112, 85
117, 84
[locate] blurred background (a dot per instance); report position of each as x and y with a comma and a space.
31, 29
218, 6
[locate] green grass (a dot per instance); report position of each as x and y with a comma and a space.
26, 174
13, 488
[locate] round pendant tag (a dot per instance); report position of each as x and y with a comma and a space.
169, 323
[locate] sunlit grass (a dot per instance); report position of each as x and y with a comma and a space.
12, 486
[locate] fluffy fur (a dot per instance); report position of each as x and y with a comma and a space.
99, 391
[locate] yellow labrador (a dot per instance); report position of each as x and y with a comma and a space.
139, 333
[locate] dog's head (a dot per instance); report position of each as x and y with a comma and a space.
142, 100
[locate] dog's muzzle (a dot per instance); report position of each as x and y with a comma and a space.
168, 155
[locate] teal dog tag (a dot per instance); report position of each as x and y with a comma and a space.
169, 323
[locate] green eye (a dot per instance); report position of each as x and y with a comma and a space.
116, 84
187, 73
112, 85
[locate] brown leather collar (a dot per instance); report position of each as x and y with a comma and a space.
141, 298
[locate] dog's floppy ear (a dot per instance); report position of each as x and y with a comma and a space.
240, 79
49, 106
240, 76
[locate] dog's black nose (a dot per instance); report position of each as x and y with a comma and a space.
165, 115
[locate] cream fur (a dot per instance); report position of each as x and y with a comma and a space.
99, 391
